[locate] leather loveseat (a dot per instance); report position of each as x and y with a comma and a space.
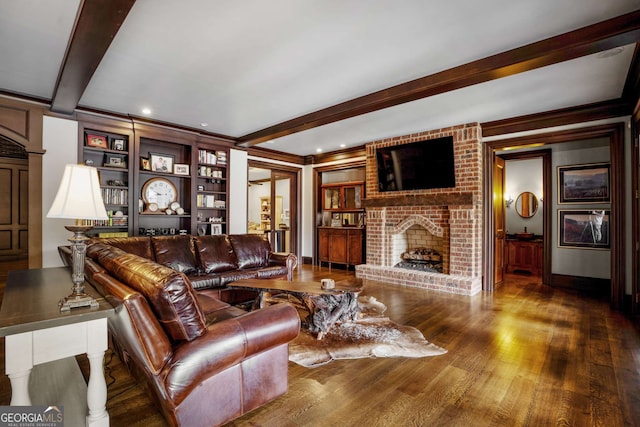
204, 361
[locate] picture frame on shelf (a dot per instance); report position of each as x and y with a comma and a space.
118, 144
588, 183
161, 162
97, 141
113, 160
145, 165
586, 229
181, 169
216, 229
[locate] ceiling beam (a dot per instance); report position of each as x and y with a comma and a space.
96, 25
595, 38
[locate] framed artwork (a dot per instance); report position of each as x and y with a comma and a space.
584, 183
216, 228
181, 169
115, 160
99, 141
588, 229
161, 162
145, 164
118, 144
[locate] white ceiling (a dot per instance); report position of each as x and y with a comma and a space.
246, 65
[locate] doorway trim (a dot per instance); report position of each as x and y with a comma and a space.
615, 133
546, 206
295, 192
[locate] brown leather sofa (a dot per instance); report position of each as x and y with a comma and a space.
204, 361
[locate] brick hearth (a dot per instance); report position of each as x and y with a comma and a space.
454, 214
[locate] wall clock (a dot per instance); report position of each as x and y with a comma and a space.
160, 191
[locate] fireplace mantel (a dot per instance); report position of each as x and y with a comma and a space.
446, 199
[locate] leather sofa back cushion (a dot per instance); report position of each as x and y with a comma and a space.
175, 252
169, 293
252, 250
215, 254
140, 246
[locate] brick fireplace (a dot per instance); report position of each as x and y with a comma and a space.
450, 219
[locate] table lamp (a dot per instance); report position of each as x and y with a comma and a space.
79, 197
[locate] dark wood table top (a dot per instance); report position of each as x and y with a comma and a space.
31, 298
314, 288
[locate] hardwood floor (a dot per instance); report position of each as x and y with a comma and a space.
526, 354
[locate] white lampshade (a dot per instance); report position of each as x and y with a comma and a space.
79, 195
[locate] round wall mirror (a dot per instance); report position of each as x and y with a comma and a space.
526, 204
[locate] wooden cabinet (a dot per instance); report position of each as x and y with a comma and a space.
524, 255
211, 191
109, 151
133, 157
340, 245
343, 196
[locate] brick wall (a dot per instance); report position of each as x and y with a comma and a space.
461, 222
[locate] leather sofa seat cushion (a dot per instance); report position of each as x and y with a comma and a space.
252, 250
169, 292
140, 246
215, 254
175, 252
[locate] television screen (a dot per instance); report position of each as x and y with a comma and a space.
417, 165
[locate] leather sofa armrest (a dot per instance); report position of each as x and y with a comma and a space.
65, 254
288, 259
226, 344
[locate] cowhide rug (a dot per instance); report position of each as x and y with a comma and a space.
372, 335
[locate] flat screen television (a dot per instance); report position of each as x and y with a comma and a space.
417, 165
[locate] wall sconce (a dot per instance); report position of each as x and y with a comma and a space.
508, 200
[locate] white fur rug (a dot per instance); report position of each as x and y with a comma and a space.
373, 335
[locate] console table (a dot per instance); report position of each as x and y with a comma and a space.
37, 332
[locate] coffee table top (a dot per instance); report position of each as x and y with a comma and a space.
343, 286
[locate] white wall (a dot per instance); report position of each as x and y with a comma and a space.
578, 261
237, 197
60, 140
520, 176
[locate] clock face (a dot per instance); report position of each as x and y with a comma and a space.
160, 191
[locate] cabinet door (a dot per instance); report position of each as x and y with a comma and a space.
355, 247
352, 197
331, 198
323, 244
338, 246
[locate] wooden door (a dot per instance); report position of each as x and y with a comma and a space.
338, 246
14, 209
355, 247
499, 219
323, 245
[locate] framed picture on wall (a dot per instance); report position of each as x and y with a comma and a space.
584, 183
588, 229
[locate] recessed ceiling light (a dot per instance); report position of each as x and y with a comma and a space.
318, 150
611, 52
204, 125
343, 145
146, 111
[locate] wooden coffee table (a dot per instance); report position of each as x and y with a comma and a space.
325, 307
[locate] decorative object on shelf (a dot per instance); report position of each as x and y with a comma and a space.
78, 197
118, 144
88, 162
161, 191
115, 160
145, 165
216, 229
181, 169
99, 141
161, 162
587, 229
587, 183
200, 187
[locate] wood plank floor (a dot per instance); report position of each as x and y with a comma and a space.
525, 355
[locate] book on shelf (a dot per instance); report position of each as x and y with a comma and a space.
114, 234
